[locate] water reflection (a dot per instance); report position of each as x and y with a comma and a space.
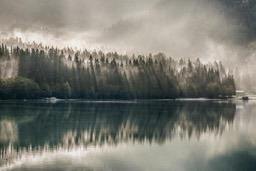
122, 136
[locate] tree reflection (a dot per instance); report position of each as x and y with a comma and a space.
69, 125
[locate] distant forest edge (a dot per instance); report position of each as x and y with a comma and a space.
40, 72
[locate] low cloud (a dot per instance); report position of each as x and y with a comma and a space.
210, 30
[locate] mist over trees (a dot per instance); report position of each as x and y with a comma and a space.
67, 73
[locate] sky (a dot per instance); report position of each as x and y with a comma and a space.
176, 27
205, 29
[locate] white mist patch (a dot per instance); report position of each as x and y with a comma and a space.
8, 131
8, 67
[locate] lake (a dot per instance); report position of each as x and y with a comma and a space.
161, 135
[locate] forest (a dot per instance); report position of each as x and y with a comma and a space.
41, 72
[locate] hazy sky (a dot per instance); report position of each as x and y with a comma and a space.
179, 28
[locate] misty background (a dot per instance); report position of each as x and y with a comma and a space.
206, 29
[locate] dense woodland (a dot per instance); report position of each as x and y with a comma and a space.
67, 73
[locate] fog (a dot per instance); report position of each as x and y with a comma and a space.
180, 28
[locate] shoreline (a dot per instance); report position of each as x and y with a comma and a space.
55, 100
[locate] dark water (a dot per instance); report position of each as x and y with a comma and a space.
128, 136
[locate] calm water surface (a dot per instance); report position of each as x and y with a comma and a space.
128, 136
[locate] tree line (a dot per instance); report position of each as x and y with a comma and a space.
68, 73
